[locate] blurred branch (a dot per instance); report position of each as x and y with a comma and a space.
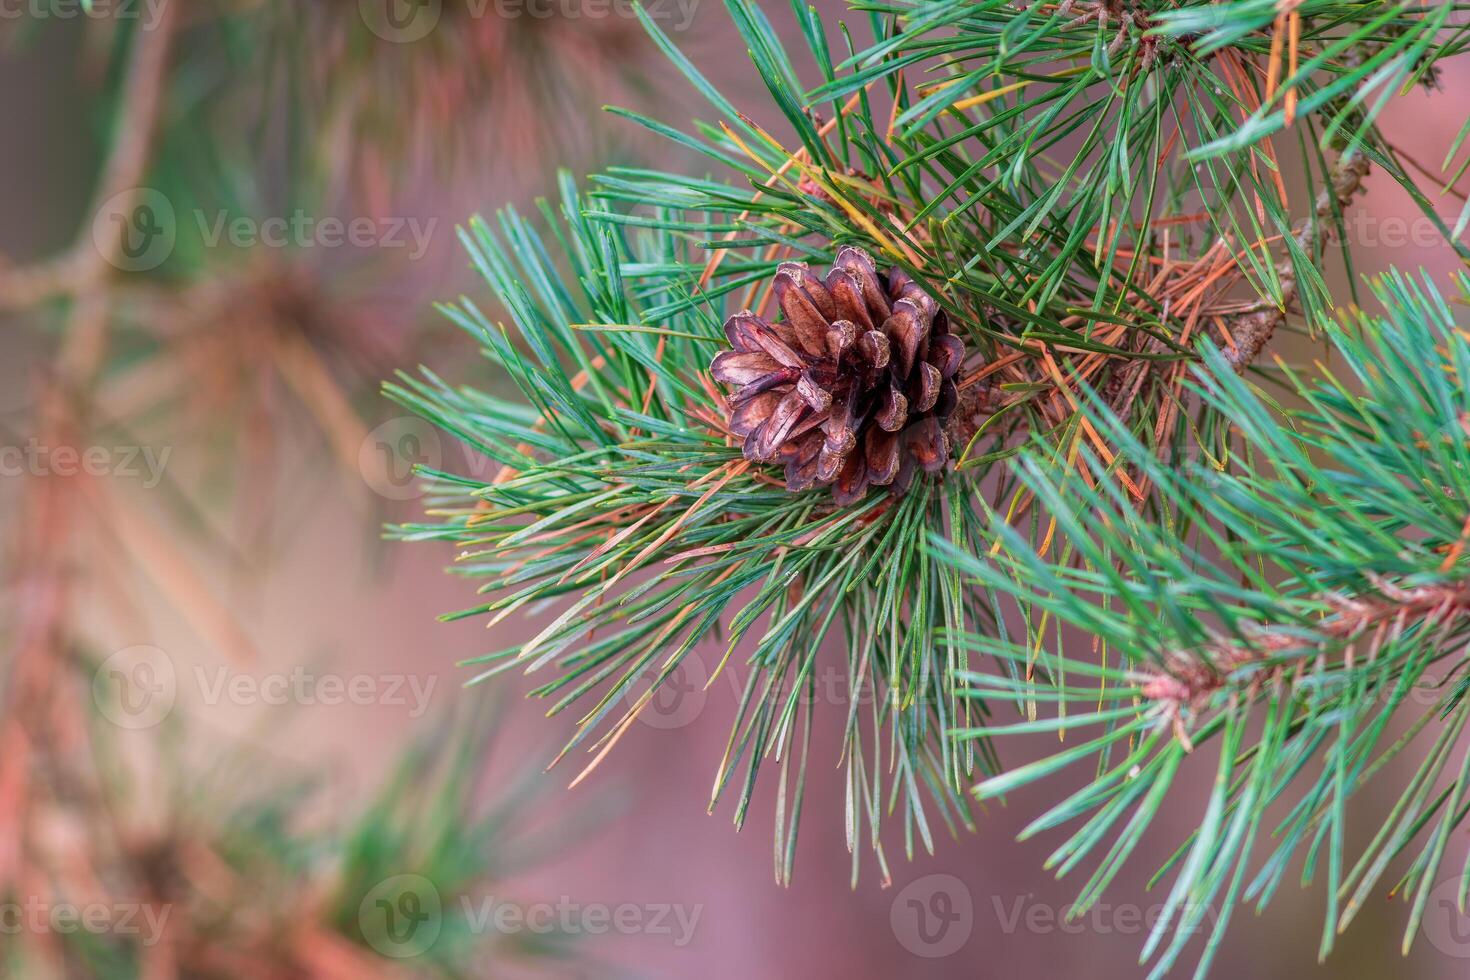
39, 714
25, 286
84, 345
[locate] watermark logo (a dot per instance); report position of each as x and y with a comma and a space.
136, 687
1444, 925
135, 229
401, 916
677, 700
387, 457
400, 21
933, 916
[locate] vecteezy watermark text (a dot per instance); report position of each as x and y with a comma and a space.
137, 229
403, 916
302, 230
146, 12
303, 687
37, 459
137, 687
672, 920
40, 916
934, 916
407, 21
1024, 914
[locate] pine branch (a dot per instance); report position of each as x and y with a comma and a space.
641, 510
1306, 585
1190, 680
1249, 333
1033, 171
36, 701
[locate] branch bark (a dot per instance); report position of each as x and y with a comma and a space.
35, 721
1250, 332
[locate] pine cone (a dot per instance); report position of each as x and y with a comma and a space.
852, 387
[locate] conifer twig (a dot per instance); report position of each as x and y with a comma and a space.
1297, 597
1250, 332
34, 699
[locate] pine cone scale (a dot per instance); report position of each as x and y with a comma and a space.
882, 456
806, 321
927, 395
751, 368
893, 411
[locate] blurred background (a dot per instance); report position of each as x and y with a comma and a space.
236, 741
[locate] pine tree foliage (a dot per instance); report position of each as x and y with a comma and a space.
1093, 192
638, 509
249, 867
1302, 605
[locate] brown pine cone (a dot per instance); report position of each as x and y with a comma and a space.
852, 387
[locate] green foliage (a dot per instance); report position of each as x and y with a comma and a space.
623, 500
244, 861
1089, 190
1302, 605
437, 819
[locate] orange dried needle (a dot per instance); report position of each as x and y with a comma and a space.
1294, 34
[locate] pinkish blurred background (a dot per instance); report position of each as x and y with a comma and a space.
300, 572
